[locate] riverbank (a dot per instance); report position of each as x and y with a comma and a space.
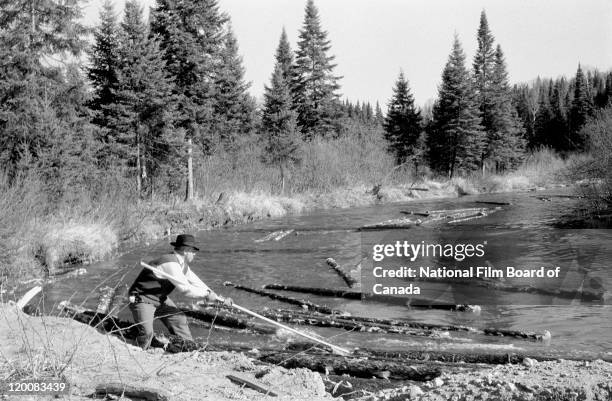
36, 243
54, 347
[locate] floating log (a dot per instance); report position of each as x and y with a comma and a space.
445, 356
411, 213
357, 295
494, 203
456, 211
131, 391
325, 292
276, 235
252, 384
469, 217
346, 276
67, 272
391, 224
345, 323
528, 335
283, 235
568, 196
358, 367
290, 300
225, 318
418, 189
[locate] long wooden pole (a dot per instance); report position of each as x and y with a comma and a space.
335, 348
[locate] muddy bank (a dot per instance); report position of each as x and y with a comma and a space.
45, 347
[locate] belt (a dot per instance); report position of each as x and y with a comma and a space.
136, 298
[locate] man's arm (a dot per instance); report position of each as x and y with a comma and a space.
188, 288
195, 280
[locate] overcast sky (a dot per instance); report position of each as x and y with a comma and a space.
373, 39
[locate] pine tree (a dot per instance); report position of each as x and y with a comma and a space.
192, 35
142, 118
483, 66
40, 104
581, 109
315, 85
505, 142
559, 124
279, 123
544, 118
403, 122
234, 109
284, 57
378, 117
608, 97
104, 62
456, 140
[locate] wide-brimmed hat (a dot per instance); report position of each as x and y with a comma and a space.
185, 240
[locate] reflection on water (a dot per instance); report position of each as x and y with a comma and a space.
580, 329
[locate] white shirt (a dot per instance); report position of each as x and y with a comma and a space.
185, 280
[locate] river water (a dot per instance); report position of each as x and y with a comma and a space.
580, 328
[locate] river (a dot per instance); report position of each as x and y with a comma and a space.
580, 329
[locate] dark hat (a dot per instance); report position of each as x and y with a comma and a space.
185, 240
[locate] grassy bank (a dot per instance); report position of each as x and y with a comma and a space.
40, 235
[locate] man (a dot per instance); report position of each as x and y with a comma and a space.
149, 293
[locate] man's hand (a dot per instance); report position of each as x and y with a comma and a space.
212, 297
225, 300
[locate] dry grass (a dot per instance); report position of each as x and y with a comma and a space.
65, 243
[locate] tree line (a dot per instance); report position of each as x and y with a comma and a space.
159, 94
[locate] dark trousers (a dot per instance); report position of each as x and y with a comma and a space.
170, 315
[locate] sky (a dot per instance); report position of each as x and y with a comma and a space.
373, 40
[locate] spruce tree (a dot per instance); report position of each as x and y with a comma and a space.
279, 124
559, 123
483, 66
284, 57
456, 140
315, 85
234, 109
192, 35
41, 104
581, 109
544, 117
142, 119
104, 62
403, 122
505, 142
378, 116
